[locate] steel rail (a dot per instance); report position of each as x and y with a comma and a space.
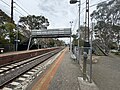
14, 73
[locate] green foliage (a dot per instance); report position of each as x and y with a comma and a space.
7, 31
108, 21
4, 17
3, 40
81, 42
9, 26
75, 41
74, 36
59, 42
34, 22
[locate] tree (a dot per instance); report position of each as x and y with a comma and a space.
108, 21
34, 22
74, 39
7, 32
4, 17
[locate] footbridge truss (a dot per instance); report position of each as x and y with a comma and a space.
49, 33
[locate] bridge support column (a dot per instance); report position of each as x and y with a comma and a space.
29, 43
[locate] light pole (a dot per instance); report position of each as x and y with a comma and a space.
73, 2
71, 22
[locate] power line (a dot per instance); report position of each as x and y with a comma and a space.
76, 20
5, 6
9, 6
22, 8
92, 5
18, 12
22, 5
85, 8
5, 3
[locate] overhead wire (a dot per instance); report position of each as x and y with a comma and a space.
5, 3
85, 8
36, 0
5, 6
9, 6
21, 8
18, 12
76, 20
22, 5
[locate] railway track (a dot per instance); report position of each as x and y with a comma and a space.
25, 69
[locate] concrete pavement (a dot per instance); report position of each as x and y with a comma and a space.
66, 77
106, 73
64, 74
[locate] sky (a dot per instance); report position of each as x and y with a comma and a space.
58, 12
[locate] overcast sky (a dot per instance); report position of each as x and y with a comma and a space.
58, 12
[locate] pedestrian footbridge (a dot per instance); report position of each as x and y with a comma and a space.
51, 33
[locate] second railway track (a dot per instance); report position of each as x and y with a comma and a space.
15, 70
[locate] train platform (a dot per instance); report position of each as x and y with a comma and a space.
62, 75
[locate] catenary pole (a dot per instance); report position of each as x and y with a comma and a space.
11, 11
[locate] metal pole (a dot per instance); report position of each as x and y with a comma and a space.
85, 22
84, 65
17, 37
70, 37
91, 56
118, 40
70, 45
88, 21
79, 24
29, 42
78, 57
11, 11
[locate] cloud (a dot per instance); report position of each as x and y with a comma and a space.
59, 12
